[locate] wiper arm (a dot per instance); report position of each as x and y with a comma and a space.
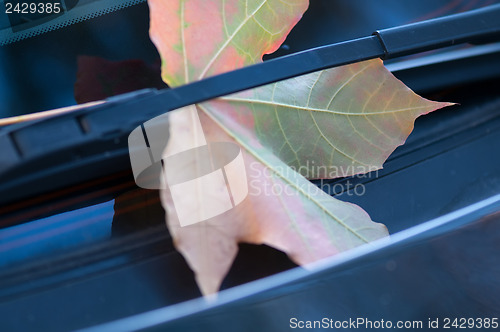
470, 27
38, 156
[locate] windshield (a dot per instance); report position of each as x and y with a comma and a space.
76, 206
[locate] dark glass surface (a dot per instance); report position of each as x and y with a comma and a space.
101, 251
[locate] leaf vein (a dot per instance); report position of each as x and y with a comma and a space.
231, 37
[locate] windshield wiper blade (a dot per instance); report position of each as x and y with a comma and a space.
36, 153
474, 26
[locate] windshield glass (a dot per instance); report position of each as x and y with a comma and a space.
101, 177
62, 53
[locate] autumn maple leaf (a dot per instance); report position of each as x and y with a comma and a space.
347, 120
